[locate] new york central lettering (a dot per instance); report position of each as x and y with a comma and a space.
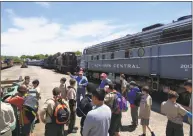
134, 66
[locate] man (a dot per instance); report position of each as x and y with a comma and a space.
51, 128
188, 87
27, 82
18, 101
175, 114
98, 120
131, 98
81, 86
85, 105
116, 116
104, 80
7, 119
123, 85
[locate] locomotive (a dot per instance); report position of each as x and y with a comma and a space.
7, 63
160, 56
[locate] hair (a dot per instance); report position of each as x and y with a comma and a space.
99, 94
63, 79
91, 87
172, 94
56, 91
145, 89
21, 88
188, 83
123, 76
72, 82
111, 86
26, 77
36, 82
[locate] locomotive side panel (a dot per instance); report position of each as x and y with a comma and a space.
176, 67
175, 60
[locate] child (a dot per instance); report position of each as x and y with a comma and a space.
63, 87
71, 98
175, 113
145, 110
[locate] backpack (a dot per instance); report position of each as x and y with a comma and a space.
30, 107
119, 104
83, 103
137, 99
61, 113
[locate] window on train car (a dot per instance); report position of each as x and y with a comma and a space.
127, 53
103, 56
112, 55
141, 52
91, 57
97, 57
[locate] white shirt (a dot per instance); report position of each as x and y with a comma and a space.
7, 117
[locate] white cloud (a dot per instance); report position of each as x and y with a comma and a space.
43, 4
34, 35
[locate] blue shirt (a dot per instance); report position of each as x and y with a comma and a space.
132, 94
81, 81
104, 82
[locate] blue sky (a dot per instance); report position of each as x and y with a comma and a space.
49, 27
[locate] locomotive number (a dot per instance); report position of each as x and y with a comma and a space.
186, 66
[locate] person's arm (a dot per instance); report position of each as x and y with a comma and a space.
12, 118
162, 108
184, 112
43, 111
88, 125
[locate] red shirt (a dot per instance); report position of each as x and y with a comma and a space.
18, 102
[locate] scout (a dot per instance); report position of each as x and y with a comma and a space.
175, 113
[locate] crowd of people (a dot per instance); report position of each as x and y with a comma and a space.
100, 108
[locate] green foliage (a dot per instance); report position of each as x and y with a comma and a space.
78, 53
37, 57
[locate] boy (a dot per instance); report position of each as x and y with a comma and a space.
71, 98
145, 110
63, 87
175, 113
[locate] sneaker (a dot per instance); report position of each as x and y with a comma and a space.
152, 134
37, 121
76, 128
72, 131
143, 135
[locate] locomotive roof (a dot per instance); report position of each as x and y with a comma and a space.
166, 26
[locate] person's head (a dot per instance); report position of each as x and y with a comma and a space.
36, 83
188, 85
72, 82
173, 96
98, 96
90, 88
27, 79
132, 84
56, 91
145, 89
103, 76
80, 73
62, 80
22, 90
122, 77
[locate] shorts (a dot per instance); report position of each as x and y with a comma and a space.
144, 122
115, 124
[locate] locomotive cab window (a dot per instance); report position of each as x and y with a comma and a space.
127, 54
112, 55
97, 57
103, 56
91, 57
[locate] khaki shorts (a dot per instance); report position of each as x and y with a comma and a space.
144, 122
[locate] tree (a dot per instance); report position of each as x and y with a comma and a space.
78, 53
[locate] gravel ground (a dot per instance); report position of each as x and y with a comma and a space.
50, 79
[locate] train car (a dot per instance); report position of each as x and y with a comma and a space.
160, 56
36, 62
67, 62
7, 63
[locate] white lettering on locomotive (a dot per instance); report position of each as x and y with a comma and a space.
121, 66
186, 66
